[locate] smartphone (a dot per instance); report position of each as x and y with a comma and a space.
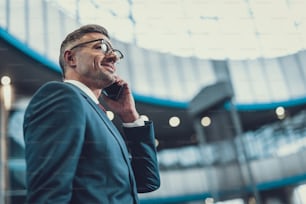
113, 91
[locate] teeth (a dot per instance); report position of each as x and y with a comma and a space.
106, 65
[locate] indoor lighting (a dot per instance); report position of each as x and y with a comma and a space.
280, 112
6, 92
206, 121
174, 121
156, 142
5, 80
110, 115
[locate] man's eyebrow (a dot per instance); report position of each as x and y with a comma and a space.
86, 42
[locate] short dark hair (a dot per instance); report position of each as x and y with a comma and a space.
76, 35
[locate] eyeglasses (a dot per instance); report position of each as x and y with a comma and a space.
106, 48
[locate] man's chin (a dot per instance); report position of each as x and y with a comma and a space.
111, 81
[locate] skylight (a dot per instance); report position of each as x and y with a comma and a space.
218, 29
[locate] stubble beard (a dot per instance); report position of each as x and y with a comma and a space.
103, 79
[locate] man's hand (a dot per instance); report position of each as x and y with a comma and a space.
125, 105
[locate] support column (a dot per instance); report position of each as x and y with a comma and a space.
5, 105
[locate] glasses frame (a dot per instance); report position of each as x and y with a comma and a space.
111, 49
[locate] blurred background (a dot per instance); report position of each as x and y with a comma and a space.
224, 82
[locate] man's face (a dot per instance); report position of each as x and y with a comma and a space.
94, 67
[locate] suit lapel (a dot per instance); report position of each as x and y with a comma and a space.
108, 123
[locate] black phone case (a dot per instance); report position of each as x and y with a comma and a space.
113, 91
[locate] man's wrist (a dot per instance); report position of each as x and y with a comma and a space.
129, 117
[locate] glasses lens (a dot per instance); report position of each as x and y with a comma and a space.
105, 48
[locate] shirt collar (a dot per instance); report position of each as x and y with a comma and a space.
84, 88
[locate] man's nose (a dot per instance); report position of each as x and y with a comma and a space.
111, 58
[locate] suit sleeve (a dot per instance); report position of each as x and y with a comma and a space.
141, 142
53, 132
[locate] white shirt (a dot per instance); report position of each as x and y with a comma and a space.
90, 94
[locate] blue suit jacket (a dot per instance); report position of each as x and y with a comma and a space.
74, 153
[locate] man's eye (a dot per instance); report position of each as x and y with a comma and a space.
98, 47
102, 47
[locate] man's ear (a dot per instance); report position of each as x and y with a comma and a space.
69, 58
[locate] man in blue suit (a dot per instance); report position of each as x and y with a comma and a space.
74, 153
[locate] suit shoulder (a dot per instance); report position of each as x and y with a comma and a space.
55, 92
54, 85
54, 88
55, 96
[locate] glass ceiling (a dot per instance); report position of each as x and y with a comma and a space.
218, 29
